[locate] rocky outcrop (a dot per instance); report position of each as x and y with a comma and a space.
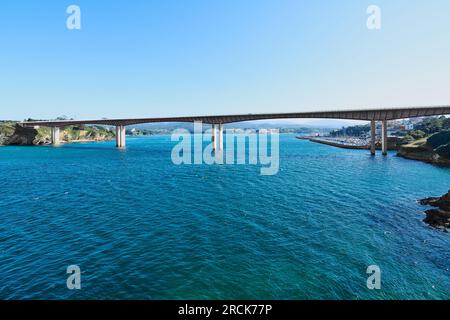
440, 217
15, 134
434, 149
22, 136
421, 153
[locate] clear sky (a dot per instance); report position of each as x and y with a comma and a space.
194, 57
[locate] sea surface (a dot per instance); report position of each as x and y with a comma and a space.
140, 227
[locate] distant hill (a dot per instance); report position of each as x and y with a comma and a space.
285, 124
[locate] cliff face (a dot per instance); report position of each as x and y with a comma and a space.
14, 134
6, 130
419, 150
21, 136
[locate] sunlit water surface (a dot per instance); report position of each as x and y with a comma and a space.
141, 227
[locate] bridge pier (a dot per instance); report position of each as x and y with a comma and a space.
55, 136
214, 137
217, 136
384, 138
372, 137
120, 137
220, 137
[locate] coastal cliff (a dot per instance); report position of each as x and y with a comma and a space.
20, 136
13, 134
435, 149
440, 217
423, 154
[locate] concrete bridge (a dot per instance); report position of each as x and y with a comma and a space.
372, 115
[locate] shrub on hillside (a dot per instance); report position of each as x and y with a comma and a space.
433, 124
7, 128
407, 139
439, 139
417, 134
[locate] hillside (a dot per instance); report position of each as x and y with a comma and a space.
13, 134
434, 149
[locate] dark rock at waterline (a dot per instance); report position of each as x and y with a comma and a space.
438, 218
22, 136
439, 202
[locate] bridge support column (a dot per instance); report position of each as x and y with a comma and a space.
372, 137
55, 136
384, 138
120, 137
220, 137
214, 136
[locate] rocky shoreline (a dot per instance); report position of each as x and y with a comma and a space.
12, 134
423, 154
434, 149
440, 217
18, 136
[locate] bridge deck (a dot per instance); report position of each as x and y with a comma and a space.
367, 114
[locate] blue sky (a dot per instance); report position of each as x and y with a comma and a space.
192, 57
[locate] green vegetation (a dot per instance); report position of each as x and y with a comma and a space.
7, 128
437, 132
75, 133
426, 128
440, 143
433, 125
412, 136
429, 141
10, 134
439, 139
43, 136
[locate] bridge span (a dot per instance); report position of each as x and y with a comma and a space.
217, 121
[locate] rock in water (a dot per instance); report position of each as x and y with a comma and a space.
438, 218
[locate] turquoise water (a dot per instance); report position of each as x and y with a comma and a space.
140, 227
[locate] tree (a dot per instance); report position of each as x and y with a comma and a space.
439, 139
433, 124
418, 134
354, 131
